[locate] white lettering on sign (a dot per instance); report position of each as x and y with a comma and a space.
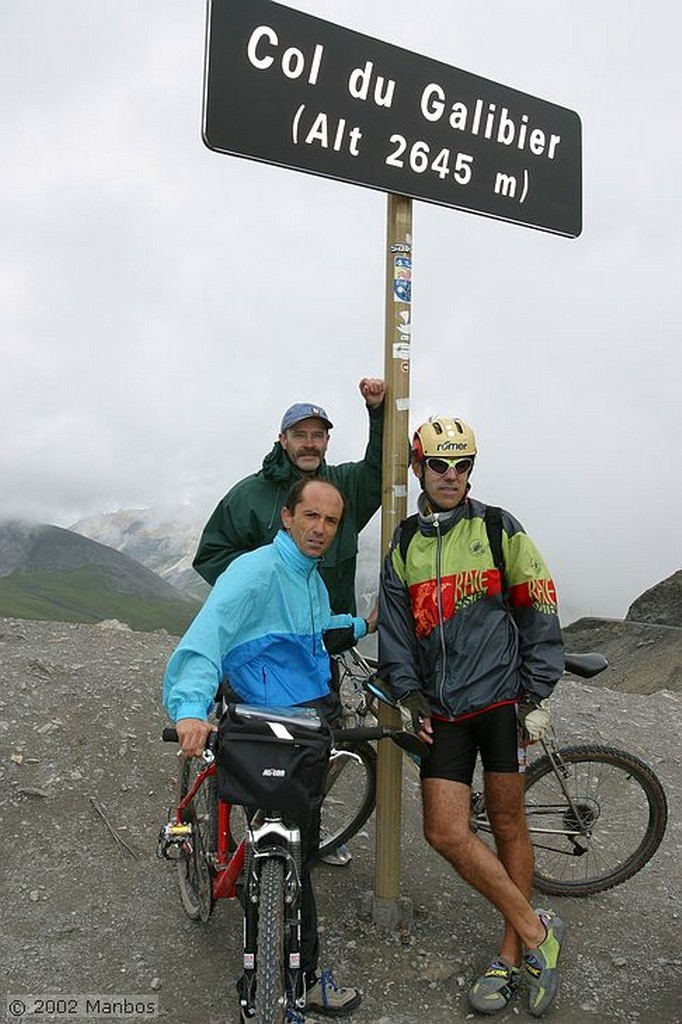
292, 62
420, 159
326, 132
360, 80
320, 133
486, 121
306, 91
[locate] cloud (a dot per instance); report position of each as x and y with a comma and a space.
163, 304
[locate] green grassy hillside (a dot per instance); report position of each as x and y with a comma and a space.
86, 595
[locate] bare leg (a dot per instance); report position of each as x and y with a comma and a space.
504, 800
446, 828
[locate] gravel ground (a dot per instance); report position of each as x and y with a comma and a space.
84, 772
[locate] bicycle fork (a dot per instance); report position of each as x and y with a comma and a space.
272, 839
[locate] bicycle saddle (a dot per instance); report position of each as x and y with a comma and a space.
585, 665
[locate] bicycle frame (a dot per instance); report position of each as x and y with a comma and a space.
562, 773
228, 867
479, 818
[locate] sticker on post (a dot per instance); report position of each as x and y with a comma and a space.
402, 279
403, 325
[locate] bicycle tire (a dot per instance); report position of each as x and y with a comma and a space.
271, 1001
194, 871
619, 799
350, 797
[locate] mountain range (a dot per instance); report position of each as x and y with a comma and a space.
50, 573
644, 650
135, 565
164, 541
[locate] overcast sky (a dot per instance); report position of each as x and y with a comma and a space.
162, 304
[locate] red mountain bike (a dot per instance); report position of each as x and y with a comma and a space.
225, 852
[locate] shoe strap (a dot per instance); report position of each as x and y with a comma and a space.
327, 981
498, 966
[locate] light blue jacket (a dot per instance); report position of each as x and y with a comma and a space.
262, 626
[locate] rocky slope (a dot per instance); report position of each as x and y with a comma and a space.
87, 907
660, 605
642, 658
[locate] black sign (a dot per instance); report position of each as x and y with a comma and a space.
300, 92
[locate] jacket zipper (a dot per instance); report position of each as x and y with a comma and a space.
312, 614
439, 605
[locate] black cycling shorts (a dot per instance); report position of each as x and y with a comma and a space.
494, 734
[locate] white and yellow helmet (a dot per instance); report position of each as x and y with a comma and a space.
443, 437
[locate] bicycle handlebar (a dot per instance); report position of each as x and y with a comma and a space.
362, 732
405, 740
378, 732
170, 735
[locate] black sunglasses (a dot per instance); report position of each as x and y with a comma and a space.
441, 466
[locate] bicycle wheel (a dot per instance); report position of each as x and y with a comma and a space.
608, 830
353, 672
350, 796
195, 875
271, 1001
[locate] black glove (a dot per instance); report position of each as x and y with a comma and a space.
414, 708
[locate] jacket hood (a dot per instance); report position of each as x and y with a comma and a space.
278, 467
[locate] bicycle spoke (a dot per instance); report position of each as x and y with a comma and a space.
350, 795
597, 825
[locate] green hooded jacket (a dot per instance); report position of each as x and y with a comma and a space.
249, 514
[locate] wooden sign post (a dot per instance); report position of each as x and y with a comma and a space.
388, 909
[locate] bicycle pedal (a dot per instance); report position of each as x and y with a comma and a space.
172, 837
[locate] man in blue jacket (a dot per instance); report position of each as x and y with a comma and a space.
262, 625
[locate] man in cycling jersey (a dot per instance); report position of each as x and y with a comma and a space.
472, 653
268, 625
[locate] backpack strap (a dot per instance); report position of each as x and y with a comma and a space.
408, 528
493, 527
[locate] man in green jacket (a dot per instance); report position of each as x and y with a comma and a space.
249, 514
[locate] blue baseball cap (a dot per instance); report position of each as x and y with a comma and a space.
304, 411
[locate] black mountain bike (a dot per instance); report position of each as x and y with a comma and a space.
596, 814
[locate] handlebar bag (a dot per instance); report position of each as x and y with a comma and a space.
273, 765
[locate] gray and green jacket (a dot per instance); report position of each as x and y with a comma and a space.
249, 515
444, 626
